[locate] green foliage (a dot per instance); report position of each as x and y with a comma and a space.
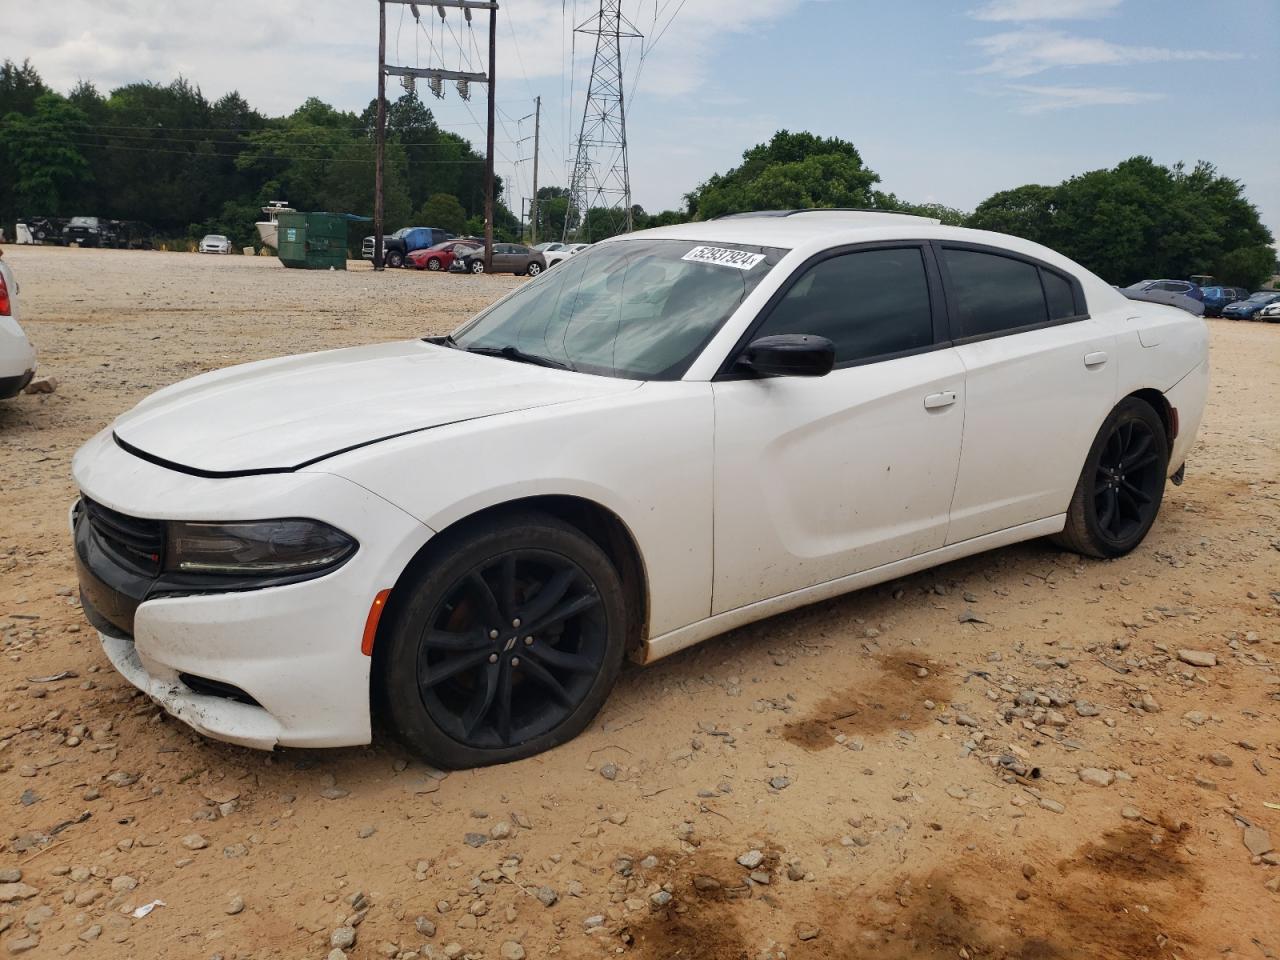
165, 155
1141, 220
792, 170
444, 211
41, 160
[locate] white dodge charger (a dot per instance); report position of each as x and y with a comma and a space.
673, 433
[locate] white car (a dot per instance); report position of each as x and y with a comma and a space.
563, 252
696, 427
1269, 314
17, 356
215, 243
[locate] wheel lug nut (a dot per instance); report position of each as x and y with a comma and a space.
493, 658
528, 641
515, 661
493, 634
516, 623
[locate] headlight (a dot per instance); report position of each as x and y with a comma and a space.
258, 547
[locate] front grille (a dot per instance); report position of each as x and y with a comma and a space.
133, 540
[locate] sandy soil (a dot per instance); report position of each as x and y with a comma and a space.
854, 746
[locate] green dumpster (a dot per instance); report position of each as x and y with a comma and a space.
312, 241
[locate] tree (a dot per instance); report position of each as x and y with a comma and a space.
444, 211
43, 160
792, 170
20, 88
1140, 220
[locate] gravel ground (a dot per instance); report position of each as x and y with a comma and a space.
856, 779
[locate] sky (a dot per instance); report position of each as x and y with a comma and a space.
948, 100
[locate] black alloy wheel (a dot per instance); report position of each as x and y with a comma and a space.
506, 645
1127, 483
1121, 487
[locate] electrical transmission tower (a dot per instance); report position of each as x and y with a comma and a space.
601, 179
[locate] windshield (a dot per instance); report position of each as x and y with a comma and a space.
1264, 296
635, 309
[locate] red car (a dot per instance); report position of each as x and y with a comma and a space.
438, 257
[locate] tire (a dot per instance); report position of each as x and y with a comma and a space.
434, 264
476, 266
462, 697
395, 258
533, 269
1121, 486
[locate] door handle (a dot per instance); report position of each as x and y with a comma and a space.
1095, 359
936, 401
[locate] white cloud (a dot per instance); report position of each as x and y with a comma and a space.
1005, 10
1041, 99
1022, 53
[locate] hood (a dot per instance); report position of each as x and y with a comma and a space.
280, 415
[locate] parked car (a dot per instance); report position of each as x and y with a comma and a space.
17, 356
397, 246
547, 247
507, 258
693, 428
1270, 313
1215, 298
215, 243
1184, 287
89, 232
441, 256
564, 253
1248, 308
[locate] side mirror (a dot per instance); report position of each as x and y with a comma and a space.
789, 355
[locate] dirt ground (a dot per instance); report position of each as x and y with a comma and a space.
893, 774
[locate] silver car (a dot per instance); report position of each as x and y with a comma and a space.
215, 243
17, 356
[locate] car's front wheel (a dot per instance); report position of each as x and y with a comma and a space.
433, 264
395, 258
477, 266
504, 645
1121, 486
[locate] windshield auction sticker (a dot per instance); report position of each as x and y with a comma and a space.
724, 257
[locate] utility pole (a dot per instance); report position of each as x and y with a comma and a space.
436, 74
488, 156
381, 137
601, 177
533, 204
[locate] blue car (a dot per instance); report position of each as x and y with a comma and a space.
1184, 287
1246, 309
1215, 298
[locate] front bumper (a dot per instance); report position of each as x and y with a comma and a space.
264, 667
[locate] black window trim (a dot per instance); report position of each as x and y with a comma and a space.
728, 369
952, 310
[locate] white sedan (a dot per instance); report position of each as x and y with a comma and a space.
563, 252
689, 429
17, 356
215, 243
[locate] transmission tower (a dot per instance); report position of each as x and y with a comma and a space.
600, 177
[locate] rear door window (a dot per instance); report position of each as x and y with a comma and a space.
993, 294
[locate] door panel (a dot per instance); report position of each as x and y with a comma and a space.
819, 478
1033, 403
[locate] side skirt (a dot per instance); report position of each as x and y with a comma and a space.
669, 643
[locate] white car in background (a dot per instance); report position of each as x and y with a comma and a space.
17, 356
1269, 313
564, 252
691, 429
215, 243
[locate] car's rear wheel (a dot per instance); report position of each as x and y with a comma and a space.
1121, 486
395, 258
433, 264
533, 269
477, 266
505, 645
